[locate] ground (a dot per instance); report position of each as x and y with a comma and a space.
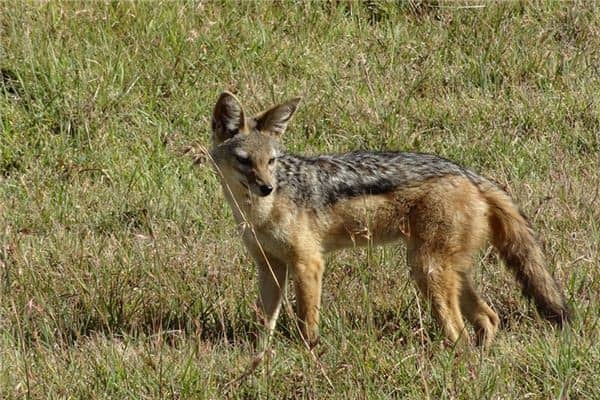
121, 272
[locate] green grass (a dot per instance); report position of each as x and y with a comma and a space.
121, 273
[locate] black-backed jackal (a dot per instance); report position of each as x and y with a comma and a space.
294, 209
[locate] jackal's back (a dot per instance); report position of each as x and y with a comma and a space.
327, 179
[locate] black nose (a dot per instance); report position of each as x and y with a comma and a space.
265, 190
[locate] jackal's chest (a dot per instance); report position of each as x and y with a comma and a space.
263, 220
272, 242
274, 237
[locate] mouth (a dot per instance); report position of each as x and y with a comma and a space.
244, 185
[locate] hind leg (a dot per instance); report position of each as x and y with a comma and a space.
447, 226
475, 309
440, 285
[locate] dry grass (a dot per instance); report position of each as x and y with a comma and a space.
121, 275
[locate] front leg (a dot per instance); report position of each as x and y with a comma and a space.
308, 274
272, 278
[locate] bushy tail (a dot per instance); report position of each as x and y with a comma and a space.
515, 240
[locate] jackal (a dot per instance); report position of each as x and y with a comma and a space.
294, 209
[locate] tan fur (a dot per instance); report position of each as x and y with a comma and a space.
444, 221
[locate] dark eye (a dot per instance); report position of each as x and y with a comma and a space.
271, 161
243, 160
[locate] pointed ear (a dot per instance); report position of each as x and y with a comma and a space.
228, 118
275, 120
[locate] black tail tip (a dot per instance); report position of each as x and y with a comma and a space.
559, 317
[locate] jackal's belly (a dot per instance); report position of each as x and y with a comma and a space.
372, 219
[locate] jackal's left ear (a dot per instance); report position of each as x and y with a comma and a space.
228, 118
275, 120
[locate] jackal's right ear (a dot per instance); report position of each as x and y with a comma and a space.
228, 118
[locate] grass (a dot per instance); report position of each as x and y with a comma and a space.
121, 274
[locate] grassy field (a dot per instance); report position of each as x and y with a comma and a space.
121, 273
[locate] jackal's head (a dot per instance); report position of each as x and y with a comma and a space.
245, 150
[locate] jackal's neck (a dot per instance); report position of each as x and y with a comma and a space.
248, 208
